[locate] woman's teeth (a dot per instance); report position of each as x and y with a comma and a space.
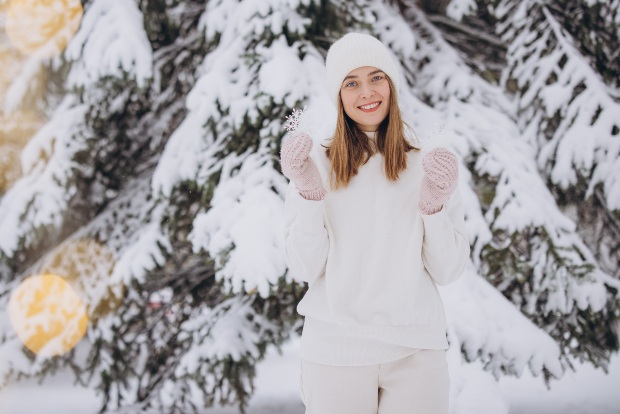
370, 106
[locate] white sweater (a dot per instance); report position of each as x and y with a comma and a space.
372, 262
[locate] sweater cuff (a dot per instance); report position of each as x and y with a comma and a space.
310, 216
428, 209
316, 194
435, 219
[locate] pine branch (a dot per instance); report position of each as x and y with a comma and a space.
479, 48
467, 33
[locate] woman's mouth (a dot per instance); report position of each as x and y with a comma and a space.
371, 107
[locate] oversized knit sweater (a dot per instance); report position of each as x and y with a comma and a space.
372, 262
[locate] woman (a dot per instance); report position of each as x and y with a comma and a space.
372, 225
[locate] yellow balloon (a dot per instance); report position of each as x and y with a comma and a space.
46, 26
47, 315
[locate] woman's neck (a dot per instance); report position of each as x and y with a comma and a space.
370, 134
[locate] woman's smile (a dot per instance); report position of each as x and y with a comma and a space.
371, 107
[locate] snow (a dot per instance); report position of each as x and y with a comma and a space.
11, 357
486, 325
144, 250
459, 8
581, 143
473, 390
41, 195
282, 68
242, 227
480, 130
245, 215
395, 33
111, 41
229, 333
587, 390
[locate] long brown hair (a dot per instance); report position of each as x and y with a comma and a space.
350, 148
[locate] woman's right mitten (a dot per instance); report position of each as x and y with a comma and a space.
298, 167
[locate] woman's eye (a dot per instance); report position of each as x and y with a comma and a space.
350, 84
377, 78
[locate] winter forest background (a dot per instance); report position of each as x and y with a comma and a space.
141, 197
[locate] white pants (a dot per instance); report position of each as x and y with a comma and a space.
417, 384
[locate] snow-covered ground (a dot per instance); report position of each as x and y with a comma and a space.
587, 391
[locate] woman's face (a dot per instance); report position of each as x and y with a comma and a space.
365, 94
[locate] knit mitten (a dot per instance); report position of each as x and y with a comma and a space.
440, 177
298, 167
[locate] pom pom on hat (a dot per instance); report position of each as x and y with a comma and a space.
353, 51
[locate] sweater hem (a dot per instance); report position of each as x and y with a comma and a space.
333, 344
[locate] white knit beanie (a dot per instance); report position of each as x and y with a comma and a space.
353, 51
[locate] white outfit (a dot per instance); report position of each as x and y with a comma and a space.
417, 384
372, 262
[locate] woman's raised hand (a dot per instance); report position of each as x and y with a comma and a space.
440, 178
298, 167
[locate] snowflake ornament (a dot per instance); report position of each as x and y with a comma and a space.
294, 119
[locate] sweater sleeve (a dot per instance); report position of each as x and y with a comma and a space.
306, 239
445, 249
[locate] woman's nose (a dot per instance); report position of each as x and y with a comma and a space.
367, 91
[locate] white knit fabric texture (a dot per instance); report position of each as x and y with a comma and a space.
440, 178
298, 167
353, 51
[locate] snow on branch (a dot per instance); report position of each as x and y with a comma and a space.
243, 229
13, 360
489, 327
518, 226
111, 40
231, 331
567, 109
40, 197
228, 141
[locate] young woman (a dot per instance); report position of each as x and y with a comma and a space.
373, 225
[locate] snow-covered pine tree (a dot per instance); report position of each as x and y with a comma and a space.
581, 330
73, 166
594, 27
180, 311
159, 195
568, 110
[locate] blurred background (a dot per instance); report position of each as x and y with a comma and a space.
141, 200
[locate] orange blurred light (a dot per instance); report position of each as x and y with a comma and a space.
47, 315
43, 26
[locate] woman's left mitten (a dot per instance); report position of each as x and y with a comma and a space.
440, 179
